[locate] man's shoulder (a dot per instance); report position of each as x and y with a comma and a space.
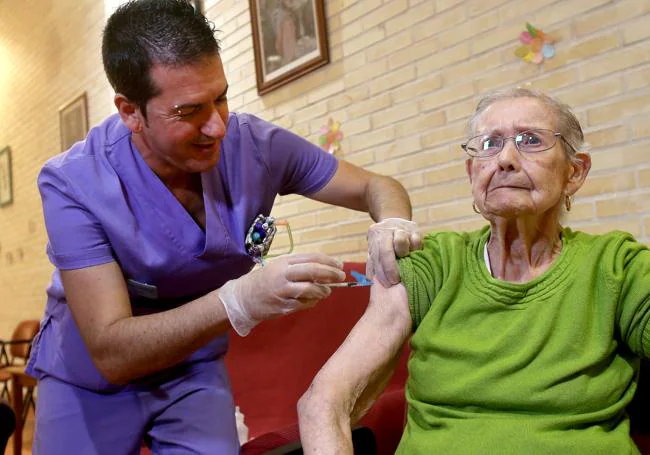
87, 160
243, 123
107, 135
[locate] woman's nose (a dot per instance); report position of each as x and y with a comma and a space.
508, 157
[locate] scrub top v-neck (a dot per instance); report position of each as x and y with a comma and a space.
184, 232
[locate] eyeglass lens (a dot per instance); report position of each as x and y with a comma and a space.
529, 141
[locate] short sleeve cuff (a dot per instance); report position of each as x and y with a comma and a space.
90, 258
327, 168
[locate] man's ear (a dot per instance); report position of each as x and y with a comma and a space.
578, 172
129, 112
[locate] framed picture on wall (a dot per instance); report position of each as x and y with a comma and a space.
73, 121
6, 183
289, 40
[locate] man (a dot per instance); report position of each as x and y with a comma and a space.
146, 221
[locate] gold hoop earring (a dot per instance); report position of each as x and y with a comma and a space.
567, 202
475, 208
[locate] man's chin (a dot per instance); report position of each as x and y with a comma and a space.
203, 165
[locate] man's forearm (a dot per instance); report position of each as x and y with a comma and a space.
143, 345
387, 198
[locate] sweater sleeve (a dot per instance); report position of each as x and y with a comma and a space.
421, 274
633, 270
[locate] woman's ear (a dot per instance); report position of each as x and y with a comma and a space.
129, 112
578, 172
468, 168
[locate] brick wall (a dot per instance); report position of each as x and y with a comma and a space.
404, 77
49, 54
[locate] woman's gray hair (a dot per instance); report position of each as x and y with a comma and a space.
567, 124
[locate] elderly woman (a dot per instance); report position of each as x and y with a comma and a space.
527, 335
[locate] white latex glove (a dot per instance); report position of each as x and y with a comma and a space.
388, 239
286, 284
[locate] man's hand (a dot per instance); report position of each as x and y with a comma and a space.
388, 239
287, 284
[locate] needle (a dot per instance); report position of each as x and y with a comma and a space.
348, 284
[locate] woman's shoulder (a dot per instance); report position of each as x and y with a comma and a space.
613, 247
614, 237
448, 238
450, 246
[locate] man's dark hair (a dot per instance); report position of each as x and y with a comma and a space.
142, 33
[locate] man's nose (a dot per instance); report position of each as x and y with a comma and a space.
215, 127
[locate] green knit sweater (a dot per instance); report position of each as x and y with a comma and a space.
543, 367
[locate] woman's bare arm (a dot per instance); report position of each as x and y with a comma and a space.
347, 385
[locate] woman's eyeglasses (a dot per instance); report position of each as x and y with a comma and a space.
529, 141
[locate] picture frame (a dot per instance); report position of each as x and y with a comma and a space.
73, 121
289, 40
6, 182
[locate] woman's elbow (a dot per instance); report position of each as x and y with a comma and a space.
316, 404
308, 405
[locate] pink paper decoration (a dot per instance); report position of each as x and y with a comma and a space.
331, 136
535, 45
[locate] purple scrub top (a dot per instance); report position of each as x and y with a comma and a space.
102, 203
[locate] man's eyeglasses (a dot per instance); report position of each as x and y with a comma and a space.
529, 141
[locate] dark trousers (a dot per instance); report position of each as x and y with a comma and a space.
7, 424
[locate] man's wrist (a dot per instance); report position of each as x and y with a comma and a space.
396, 221
239, 318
